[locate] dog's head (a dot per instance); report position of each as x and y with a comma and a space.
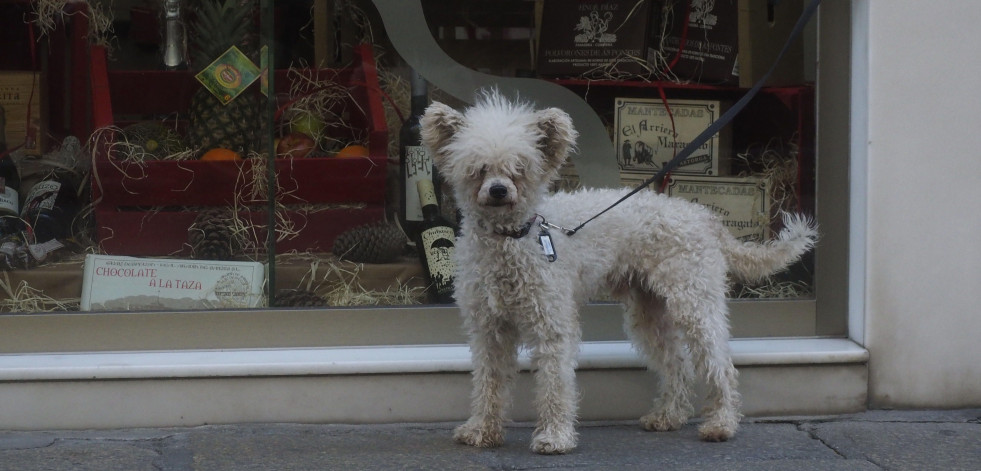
498, 155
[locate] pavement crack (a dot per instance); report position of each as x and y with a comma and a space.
14, 443
811, 432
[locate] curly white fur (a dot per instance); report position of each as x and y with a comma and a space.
665, 258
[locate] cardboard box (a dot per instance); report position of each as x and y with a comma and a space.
579, 36
21, 96
146, 208
708, 44
730, 42
742, 204
645, 139
764, 27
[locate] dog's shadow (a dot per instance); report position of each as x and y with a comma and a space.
621, 446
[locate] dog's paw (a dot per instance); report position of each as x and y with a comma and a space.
554, 440
719, 426
479, 436
662, 422
716, 432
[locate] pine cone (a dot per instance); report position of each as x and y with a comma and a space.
378, 242
298, 298
211, 236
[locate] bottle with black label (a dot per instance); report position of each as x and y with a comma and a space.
415, 161
50, 206
9, 185
435, 244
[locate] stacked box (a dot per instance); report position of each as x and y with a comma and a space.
650, 132
729, 42
20, 98
146, 208
741, 204
584, 36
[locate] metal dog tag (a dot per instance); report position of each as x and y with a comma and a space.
545, 239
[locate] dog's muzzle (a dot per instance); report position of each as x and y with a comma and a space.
498, 192
498, 195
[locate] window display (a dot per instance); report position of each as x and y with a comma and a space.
169, 131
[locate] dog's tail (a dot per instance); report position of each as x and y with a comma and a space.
751, 261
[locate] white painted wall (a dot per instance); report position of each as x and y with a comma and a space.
923, 306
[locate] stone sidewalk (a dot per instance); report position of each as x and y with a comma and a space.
874, 440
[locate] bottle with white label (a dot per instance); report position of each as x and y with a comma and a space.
415, 161
435, 244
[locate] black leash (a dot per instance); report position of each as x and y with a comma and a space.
716, 126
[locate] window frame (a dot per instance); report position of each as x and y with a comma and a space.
835, 311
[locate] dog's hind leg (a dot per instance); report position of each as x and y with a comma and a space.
494, 350
703, 317
656, 337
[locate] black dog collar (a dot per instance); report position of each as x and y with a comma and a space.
519, 232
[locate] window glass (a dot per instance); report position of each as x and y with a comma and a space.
245, 154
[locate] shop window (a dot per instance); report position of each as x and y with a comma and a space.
172, 145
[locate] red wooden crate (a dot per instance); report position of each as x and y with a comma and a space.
165, 232
125, 192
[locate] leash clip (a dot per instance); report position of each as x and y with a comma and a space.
545, 225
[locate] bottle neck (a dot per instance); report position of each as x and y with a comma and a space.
427, 199
420, 94
419, 104
430, 212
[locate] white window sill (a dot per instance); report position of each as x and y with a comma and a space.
374, 360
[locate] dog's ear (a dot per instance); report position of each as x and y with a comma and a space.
558, 136
437, 126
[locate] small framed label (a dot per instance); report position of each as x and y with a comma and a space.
742, 204
646, 140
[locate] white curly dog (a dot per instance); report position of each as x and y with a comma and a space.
666, 258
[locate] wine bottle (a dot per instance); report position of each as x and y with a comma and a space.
9, 185
50, 206
415, 161
435, 244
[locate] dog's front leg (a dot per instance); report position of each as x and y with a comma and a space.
493, 345
555, 379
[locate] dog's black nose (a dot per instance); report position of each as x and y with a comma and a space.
498, 191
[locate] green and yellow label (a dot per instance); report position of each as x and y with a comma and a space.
229, 75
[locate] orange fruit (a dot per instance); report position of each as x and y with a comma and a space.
220, 153
353, 150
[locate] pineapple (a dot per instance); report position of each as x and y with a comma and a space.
216, 26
